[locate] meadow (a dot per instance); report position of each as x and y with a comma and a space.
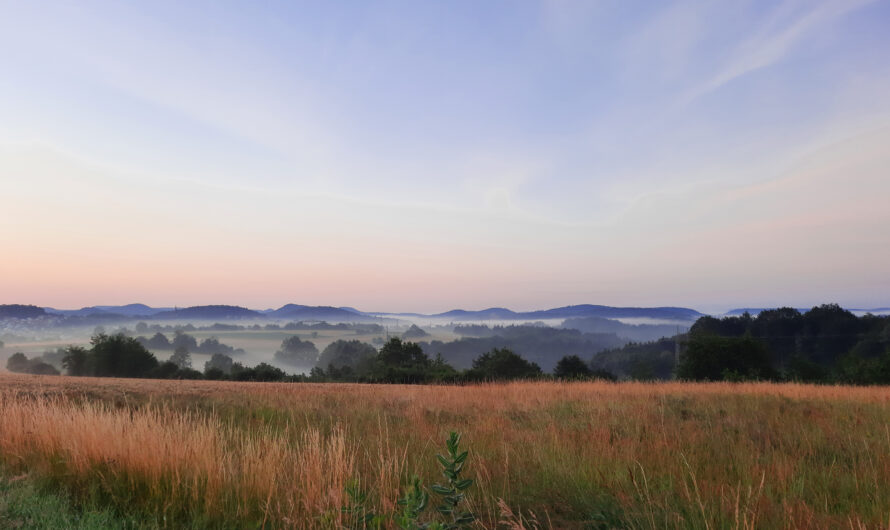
543, 454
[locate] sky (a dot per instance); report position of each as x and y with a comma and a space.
423, 156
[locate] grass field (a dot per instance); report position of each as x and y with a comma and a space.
570, 455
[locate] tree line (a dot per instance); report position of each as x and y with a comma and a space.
397, 361
210, 345
826, 344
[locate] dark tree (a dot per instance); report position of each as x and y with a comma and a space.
76, 360
829, 331
354, 354
500, 364
38, 367
261, 372
572, 367
119, 356
401, 362
415, 332
158, 341
212, 345
297, 352
181, 358
220, 362
714, 358
183, 340
17, 362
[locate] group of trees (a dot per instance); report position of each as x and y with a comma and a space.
641, 361
397, 362
824, 344
405, 362
210, 345
121, 356
117, 356
19, 362
540, 344
297, 352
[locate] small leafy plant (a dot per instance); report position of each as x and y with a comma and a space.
416, 499
357, 514
413, 504
449, 515
452, 492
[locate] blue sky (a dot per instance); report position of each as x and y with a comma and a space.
421, 156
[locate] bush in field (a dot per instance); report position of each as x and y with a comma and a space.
500, 364
297, 352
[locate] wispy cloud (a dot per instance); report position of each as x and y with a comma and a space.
774, 40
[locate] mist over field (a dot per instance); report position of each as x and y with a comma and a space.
256, 336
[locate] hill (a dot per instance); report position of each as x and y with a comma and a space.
588, 310
21, 311
129, 310
572, 311
209, 312
539, 344
325, 313
631, 332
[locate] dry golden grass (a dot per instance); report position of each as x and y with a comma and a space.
562, 454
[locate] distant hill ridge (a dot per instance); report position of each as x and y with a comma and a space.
754, 311
330, 313
129, 310
209, 312
572, 311
349, 314
303, 312
21, 311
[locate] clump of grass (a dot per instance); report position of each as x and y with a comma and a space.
24, 505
